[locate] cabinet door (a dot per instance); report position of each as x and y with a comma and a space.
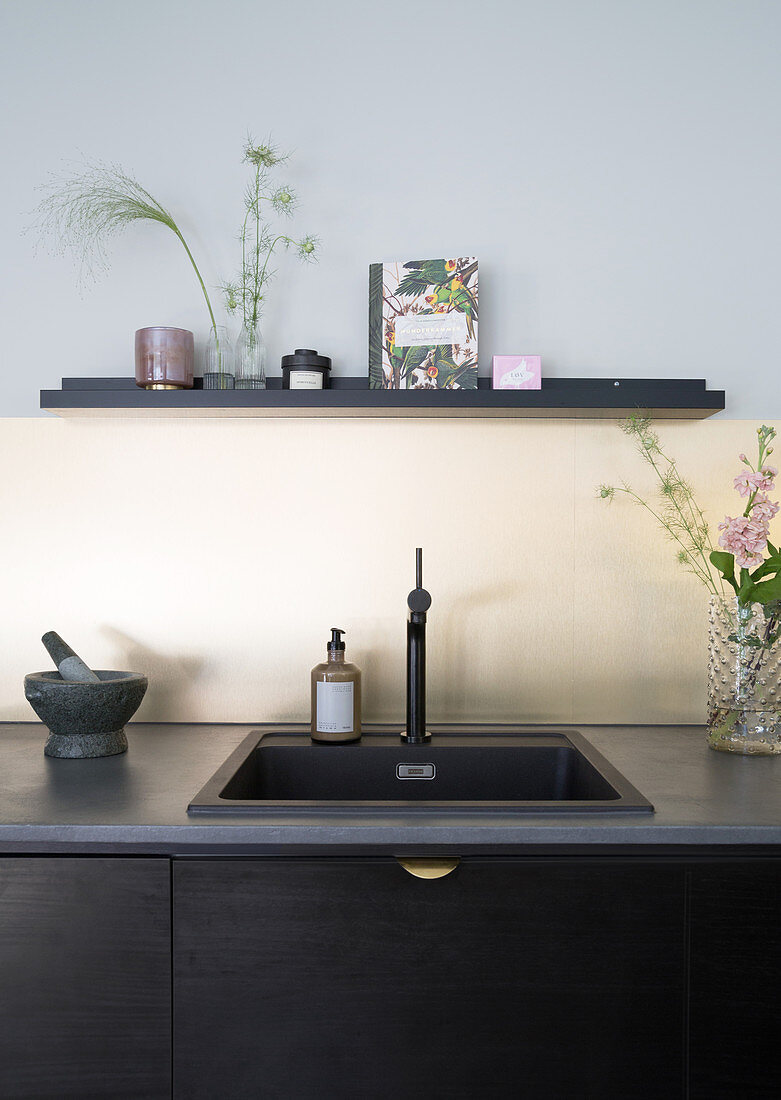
329, 979
735, 973
85, 978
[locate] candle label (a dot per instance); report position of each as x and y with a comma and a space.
306, 380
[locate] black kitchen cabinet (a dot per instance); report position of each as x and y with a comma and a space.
546, 977
85, 978
349, 978
735, 973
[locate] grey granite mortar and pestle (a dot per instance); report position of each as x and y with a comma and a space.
85, 711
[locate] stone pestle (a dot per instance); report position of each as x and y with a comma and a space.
69, 663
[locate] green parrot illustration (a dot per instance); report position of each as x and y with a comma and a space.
463, 300
454, 295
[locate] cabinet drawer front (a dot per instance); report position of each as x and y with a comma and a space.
735, 969
85, 992
352, 978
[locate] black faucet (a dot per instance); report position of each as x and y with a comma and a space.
418, 602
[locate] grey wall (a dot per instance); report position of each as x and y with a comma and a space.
614, 165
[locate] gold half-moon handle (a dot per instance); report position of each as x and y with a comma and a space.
429, 868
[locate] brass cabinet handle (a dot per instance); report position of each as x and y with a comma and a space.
429, 868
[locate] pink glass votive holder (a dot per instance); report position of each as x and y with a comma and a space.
164, 358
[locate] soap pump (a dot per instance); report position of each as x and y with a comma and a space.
336, 696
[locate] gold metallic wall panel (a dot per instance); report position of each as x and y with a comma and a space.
215, 557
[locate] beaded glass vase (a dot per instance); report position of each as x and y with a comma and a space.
744, 678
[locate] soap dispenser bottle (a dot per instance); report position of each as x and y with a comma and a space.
336, 696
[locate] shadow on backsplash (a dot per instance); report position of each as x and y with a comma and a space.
460, 669
170, 678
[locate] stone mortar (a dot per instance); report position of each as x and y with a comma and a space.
85, 719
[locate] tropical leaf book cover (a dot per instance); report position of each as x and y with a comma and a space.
423, 325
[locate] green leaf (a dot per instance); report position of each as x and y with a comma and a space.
725, 563
746, 590
773, 549
772, 565
766, 591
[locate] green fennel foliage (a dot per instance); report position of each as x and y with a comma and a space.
83, 210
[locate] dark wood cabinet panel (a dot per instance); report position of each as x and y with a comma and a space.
320, 978
85, 978
352, 979
735, 973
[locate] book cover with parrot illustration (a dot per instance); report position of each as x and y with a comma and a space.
423, 325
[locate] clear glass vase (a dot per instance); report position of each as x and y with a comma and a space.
744, 678
218, 370
250, 359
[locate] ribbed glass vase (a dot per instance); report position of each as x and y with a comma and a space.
744, 678
250, 359
218, 368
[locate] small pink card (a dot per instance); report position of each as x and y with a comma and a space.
517, 372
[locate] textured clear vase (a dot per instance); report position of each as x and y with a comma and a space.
250, 359
218, 368
744, 678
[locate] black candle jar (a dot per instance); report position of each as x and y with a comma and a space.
306, 370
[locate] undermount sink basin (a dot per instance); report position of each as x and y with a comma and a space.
481, 769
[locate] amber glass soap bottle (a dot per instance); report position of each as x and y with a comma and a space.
336, 696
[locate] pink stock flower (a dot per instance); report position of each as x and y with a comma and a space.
764, 509
746, 538
744, 484
763, 481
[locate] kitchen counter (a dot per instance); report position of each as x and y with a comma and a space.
136, 803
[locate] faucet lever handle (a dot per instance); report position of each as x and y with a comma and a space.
419, 599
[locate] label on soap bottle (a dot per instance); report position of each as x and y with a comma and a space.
335, 707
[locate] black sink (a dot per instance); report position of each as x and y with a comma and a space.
477, 769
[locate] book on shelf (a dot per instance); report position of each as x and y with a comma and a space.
423, 324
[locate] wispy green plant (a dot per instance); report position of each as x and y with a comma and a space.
82, 211
676, 510
257, 236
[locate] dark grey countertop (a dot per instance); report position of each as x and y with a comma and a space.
137, 802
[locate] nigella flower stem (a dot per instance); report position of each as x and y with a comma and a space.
261, 197
686, 523
756, 660
271, 247
697, 569
258, 281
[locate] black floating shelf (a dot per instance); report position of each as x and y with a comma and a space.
585, 398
